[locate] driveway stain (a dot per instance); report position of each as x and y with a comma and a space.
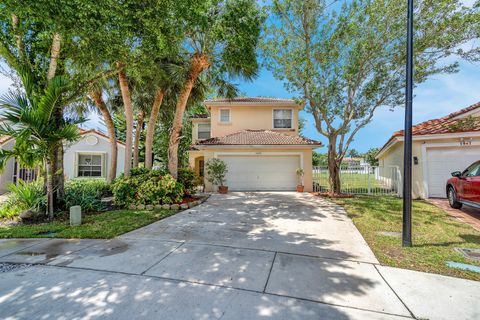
113, 247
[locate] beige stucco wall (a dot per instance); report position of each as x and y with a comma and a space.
210, 153
394, 156
249, 117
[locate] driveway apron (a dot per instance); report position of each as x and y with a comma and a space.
236, 256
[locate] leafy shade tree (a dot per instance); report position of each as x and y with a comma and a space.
319, 159
30, 119
350, 62
370, 156
44, 38
220, 36
354, 153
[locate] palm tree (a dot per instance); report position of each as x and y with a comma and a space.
208, 48
30, 118
96, 96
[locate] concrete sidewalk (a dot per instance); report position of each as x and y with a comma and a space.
239, 256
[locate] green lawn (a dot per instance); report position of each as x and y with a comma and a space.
435, 235
354, 183
102, 225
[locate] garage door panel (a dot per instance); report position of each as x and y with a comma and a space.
261, 172
443, 161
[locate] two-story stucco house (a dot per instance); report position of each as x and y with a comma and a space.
258, 139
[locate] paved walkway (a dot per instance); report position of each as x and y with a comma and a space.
466, 214
238, 256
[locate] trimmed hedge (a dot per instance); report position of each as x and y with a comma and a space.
87, 193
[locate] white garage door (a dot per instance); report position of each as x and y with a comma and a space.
251, 173
443, 161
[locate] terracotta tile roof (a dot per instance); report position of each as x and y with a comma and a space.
447, 124
258, 137
251, 100
4, 139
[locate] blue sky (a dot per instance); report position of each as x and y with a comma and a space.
437, 97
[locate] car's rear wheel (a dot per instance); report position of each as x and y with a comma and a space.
452, 198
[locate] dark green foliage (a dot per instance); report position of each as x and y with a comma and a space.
319, 159
216, 170
86, 193
146, 186
23, 196
370, 156
188, 178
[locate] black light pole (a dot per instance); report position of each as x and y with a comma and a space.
407, 157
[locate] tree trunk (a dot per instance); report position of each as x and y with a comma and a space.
18, 38
138, 136
333, 166
57, 170
54, 53
49, 183
107, 117
127, 102
199, 63
152, 122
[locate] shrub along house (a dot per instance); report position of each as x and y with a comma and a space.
89, 157
440, 146
258, 139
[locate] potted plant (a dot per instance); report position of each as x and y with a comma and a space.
216, 171
300, 174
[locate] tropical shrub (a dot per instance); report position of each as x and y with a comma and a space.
86, 193
188, 178
146, 186
28, 195
216, 171
23, 196
8, 210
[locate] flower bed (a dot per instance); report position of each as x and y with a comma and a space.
186, 203
154, 189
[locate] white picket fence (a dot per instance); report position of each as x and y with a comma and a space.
362, 179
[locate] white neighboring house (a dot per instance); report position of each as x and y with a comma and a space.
88, 157
440, 146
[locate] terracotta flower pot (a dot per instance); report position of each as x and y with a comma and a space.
300, 188
223, 189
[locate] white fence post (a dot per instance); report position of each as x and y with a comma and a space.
362, 179
368, 178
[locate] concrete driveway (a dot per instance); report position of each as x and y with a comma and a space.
237, 256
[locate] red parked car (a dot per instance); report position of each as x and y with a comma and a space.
464, 187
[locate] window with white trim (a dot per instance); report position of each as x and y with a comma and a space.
90, 165
225, 115
282, 118
203, 131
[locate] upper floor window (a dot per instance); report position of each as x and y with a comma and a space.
225, 115
203, 131
282, 118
